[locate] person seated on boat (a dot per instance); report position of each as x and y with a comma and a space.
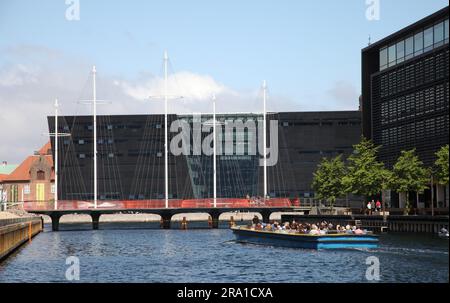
286, 226
294, 225
268, 227
314, 230
255, 220
348, 229
357, 231
258, 226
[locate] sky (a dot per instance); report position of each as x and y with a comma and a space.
308, 51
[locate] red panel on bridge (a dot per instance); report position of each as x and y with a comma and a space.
160, 203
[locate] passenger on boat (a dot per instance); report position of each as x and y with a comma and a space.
255, 220
314, 230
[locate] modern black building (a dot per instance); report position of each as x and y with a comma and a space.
405, 89
131, 155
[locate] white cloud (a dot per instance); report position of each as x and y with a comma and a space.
192, 87
17, 75
29, 87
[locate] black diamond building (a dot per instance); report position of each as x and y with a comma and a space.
405, 90
131, 156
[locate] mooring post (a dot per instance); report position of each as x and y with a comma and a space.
184, 223
232, 223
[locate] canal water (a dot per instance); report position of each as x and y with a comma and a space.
118, 254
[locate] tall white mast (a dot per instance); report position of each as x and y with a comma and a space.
94, 104
56, 134
265, 138
166, 144
215, 151
56, 154
166, 156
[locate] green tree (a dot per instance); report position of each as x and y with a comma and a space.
441, 165
408, 175
365, 175
328, 180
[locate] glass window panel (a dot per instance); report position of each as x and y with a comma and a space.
428, 38
439, 32
418, 43
409, 47
400, 51
446, 30
392, 55
383, 58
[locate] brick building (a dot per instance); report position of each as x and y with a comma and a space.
32, 180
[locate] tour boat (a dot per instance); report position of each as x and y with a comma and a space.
297, 240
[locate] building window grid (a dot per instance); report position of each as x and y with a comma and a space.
425, 40
427, 101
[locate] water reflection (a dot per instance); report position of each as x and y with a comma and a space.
150, 255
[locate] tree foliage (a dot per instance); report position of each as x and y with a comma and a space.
365, 175
328, 180
441, 165
409, 174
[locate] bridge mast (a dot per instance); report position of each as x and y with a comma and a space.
94, 104
56, 134
215, 151
166, 156
56, 154
265, 138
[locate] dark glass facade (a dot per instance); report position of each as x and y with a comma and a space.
131, 156
405, 90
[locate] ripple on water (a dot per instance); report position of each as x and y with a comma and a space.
213, 256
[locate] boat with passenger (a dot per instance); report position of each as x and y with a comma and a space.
308, 236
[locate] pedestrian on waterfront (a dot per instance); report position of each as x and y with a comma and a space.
378, 206
369, 208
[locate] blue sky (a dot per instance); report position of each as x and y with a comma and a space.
308, 51
300, 47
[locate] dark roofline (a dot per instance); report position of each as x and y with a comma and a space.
416, 25
350, 111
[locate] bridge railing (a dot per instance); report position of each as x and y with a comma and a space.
156, 203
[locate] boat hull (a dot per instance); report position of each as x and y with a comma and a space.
332, 241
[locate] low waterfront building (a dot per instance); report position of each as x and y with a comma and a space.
5, 170
32, 180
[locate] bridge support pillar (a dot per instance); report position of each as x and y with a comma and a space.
55, 221
165, 220
215, 218
95, 220
265, 213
